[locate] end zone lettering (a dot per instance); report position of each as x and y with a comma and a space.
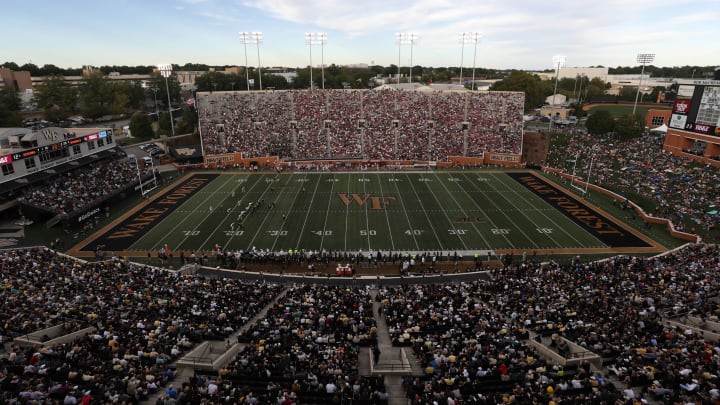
593, 222
122, 236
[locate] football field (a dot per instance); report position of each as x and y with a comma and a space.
463, 211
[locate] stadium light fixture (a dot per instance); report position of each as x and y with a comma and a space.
558, 62
166, 70
399, 37
643, 59
406, 38
474, 38
461, 38
245, 39
317, 38
257, 37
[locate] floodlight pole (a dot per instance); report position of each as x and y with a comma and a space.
411, 38
474, 38
462, 53
557, 61
642, 59
166, 71
245, 39
308, 40
399, 36
408, 38
257, 39
317, 38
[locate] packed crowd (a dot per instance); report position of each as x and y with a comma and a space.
382, 124
140, 320
473, 339
77, 189
305, 349
473, 335
682, 191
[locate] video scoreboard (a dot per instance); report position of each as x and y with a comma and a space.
28, 153
697, 107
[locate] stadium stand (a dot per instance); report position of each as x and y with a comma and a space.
379, 124
478, 342
683, 191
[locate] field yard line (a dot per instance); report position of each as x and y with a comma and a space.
407, 217
186, 217
347, 213
232, 209
446, 216
282, 225
437, 238
462, 209
327, 213
563, 230
307, 213
492, 201
387, 218
227, 242
528, 217
260, 227
367, 218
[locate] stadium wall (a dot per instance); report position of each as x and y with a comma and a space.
679, 142
639, 211
237, 160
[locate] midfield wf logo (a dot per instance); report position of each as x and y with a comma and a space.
374, 202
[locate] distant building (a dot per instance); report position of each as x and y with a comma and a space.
20, 81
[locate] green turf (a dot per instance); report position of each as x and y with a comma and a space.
428, 211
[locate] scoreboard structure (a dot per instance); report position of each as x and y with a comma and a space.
694, 127
24, 152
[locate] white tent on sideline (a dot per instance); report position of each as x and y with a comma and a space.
662, 128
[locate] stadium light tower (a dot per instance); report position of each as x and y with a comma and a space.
399, 38
245, 39
317, 38
461, 38
474, 38
166, 70
558, 62
643, 59
257, 39
406, 38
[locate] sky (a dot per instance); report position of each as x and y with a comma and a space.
515, 34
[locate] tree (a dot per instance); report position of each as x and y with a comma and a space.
535, 89
9, 106
136, 94
140, 126
596, 88
188, 123
56, 98
629, 126
600, 122
96, 92
164, 125
157, 81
